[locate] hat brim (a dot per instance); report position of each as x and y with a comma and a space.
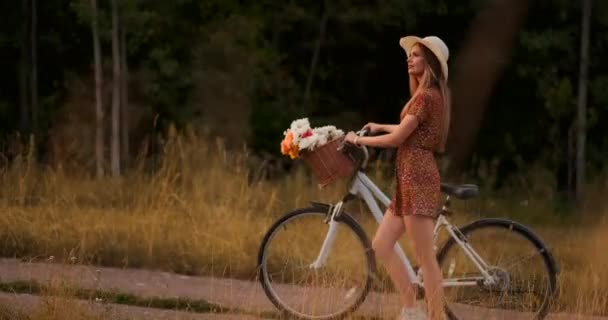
408, 42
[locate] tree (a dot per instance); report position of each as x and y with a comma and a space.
191, 62
124, 90
315, 57
34, 70
23, 68
116, 83
582, 101
99, 129
477, 70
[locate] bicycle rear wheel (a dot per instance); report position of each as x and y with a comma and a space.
331, 291
523, 267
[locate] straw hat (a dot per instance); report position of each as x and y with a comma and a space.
433, 43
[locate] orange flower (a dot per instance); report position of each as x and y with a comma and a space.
294, 152
286, 144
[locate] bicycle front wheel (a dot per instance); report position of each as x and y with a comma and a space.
522, 269
297, 279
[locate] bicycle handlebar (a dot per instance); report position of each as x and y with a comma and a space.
361, 133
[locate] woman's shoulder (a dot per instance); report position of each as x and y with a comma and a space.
429, 96
431, 93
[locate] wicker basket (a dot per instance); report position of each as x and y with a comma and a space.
328, 164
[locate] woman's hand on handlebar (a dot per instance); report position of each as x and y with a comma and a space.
372, 127
350, 137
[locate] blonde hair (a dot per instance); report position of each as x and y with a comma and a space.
433, 76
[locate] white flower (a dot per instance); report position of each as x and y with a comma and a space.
337, 133
309, 142
319, 136
299, 127
330, 132
300, 124
322, 140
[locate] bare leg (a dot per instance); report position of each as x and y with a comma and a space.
390, 229
420, 230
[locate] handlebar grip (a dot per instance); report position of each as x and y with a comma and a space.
366, 133
363, 132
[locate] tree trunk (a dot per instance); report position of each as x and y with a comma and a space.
115, 137
571, 160
476, 70
34, 76
124, 90
24, 108
315, 57
582, 102
99, 130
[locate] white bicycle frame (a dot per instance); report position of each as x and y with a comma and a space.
369, 192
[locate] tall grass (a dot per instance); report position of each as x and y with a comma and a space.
55, 301
195, 211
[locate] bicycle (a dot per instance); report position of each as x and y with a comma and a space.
339, 290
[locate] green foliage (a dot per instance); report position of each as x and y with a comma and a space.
241, 69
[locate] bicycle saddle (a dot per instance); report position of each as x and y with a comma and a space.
463, 191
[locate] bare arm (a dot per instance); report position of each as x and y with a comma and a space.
388, 127
394, 138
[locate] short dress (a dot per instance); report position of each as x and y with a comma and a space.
416, 171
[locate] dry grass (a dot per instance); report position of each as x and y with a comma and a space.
56, 302
199, 214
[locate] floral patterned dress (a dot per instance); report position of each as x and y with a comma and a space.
416, 169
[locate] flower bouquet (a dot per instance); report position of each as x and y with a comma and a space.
300, 137
319, 148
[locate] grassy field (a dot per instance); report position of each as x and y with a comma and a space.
56, 303
199, 214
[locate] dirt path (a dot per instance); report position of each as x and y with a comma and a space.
143, 283
242, 295
30, 304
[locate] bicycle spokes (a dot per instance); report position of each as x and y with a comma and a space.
515, 283
303, 277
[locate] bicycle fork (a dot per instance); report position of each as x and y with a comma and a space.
330, 237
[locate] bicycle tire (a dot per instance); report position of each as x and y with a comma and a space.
344, 219
551, 267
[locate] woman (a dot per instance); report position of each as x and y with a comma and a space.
422, 131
